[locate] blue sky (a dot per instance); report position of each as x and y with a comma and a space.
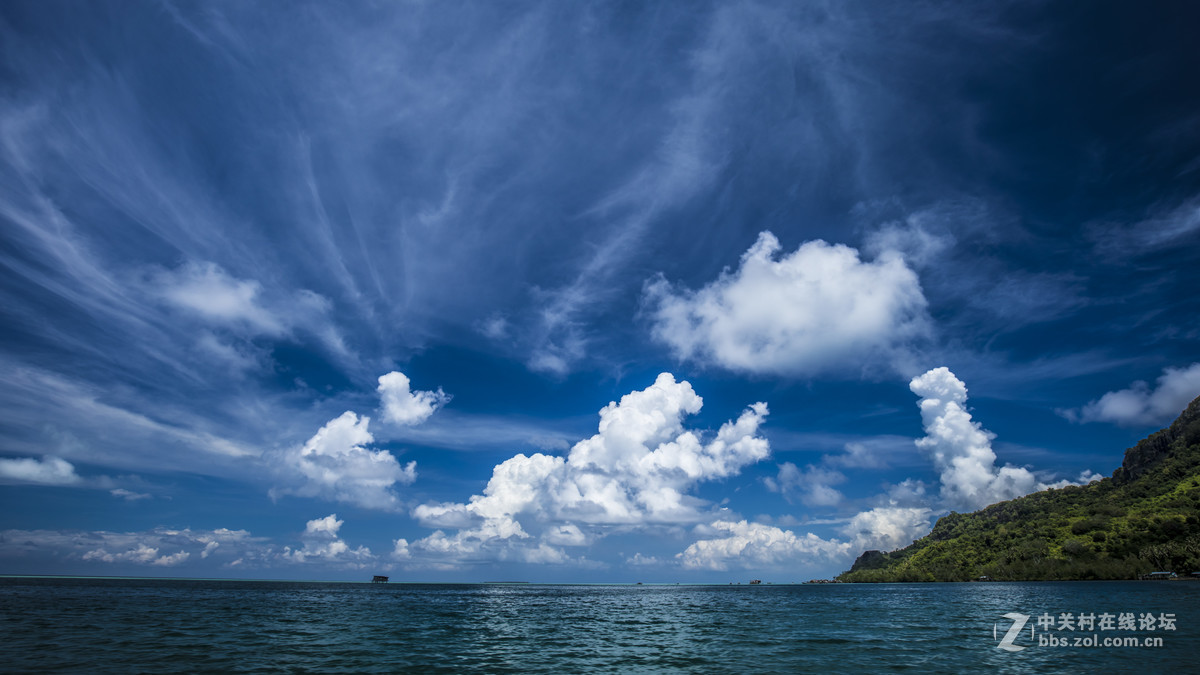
577, 291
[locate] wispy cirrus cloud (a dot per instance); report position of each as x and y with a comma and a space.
1163, 226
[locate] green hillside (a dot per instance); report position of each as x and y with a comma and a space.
1142, 519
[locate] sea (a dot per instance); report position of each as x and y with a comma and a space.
57, 624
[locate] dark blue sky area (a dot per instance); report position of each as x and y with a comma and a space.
311, 291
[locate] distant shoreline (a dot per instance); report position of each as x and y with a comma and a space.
65, 577
395, 583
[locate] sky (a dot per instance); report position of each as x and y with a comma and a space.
578, 292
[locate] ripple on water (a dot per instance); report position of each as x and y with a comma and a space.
179, 626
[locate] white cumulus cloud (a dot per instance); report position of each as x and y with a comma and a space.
757, 545
746, 544
45, 471
161, 546
322, 544
636, 470
887, 528
820, 308
961, 449
1141, 405
406, 407
338, 463
142, 554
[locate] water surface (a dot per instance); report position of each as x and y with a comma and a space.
159, 625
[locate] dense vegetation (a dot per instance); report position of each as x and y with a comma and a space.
1142, 519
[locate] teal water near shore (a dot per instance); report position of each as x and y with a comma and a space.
179, 625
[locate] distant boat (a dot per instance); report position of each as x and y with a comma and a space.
379, 579
1159, 575
755, 582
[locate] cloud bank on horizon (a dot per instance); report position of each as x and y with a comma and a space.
634, 474
314, 291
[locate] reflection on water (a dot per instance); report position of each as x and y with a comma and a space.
172, 625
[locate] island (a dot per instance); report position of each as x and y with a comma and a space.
1143, 522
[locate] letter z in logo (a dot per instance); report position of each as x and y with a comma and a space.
1019, 621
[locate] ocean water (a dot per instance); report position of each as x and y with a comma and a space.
160, 625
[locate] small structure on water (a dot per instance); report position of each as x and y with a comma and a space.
1159, 575
379, 579
755, 582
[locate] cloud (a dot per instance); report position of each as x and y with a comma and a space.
920, 238
887, 527
566, 535
322, 544
337, 464
944, 239
908, 492
243, 307
683, 159
747, 545
814, 484
128, 495
1139, 405
495, 328
635, 472
817, 309
144, 555
961, 449
167, 547
1085, 477
205, 290
172, 559
1164, 226
45, 471
475, 431
162, 547
857, 455
402, 406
